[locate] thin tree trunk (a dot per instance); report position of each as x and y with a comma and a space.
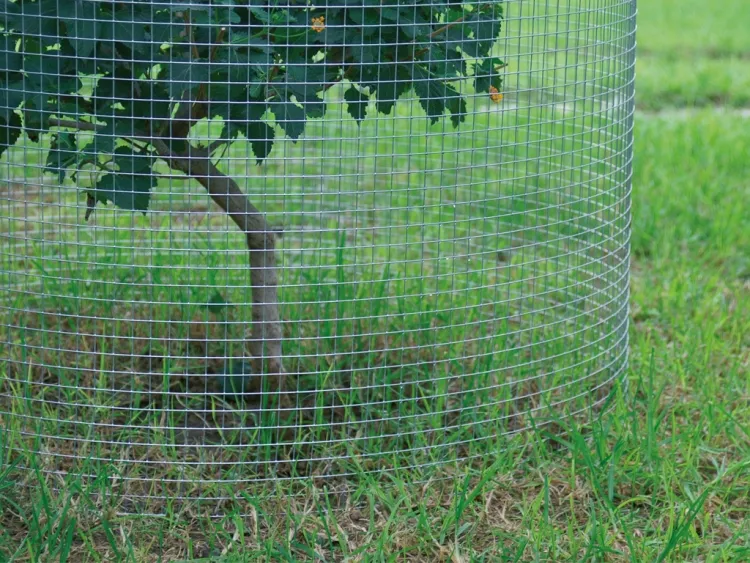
264, 344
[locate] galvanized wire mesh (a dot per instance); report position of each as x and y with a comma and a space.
440, 287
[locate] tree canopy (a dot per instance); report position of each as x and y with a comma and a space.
159, 68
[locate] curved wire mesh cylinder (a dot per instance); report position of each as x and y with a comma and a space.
440, 207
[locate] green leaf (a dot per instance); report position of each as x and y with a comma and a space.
63, 153
82, 23
486, 74
389, 87
116, 127
192, 5
38, 18
413, 24
303, 80
112, 89
165, 29
261, 137
446, 63
483, 27
306, 81
456, 104
44, 71
282, 18
9, 8
239, 68
431, 94
217, 303
10, 59
185, 74
238, 116
151, 101
218, 15
260, 14
356, 104
36, 114
357, 15
370, 19
126, 29
364, 53
290, 117
132, 193
130, 186
435, 95
384, 50
10, 130
103, 142
131, 162
255, 90
11, 96
314, 107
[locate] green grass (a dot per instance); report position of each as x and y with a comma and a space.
663, 475
665, 82
693, 53
682, 28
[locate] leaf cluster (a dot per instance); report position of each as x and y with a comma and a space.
153, 70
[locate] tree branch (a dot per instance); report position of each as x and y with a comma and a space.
215, 144
189, 33
74, 124
447, 26
437, 32
191, 111
219, 42
266, 333
90, 126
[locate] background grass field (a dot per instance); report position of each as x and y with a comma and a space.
663, 476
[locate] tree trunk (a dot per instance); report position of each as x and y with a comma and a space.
264, 344
266, 336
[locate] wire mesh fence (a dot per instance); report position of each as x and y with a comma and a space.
262, 241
